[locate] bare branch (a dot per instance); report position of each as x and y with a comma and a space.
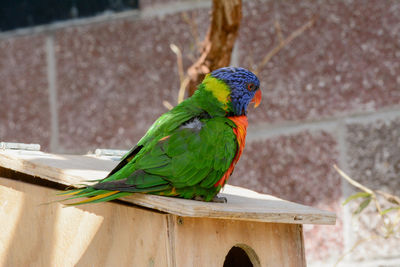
218, 44
284, 42
193, 29
353, 182
389, 197
182, 89
279, 31
183, 80
362, 187
179, 61
356, 244
167, 105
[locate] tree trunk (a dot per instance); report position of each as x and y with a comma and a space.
218, 44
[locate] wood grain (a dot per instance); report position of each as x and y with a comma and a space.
107, 234
206, 242
242, 204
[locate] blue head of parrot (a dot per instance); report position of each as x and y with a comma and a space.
244, 87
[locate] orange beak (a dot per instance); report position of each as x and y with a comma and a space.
257, 98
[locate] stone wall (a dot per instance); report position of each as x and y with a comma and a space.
331, 96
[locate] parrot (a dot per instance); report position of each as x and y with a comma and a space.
191, 150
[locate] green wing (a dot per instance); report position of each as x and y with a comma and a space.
161, 127
187, 162
187, 157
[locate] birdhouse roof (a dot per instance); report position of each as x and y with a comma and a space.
243, 204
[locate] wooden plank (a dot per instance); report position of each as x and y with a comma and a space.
63, 169
249, 205
107, 234
242, 204
266, 244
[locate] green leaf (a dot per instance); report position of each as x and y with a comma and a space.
390, 209
355, 196
362, 206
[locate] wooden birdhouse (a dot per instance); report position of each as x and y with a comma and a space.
251, 229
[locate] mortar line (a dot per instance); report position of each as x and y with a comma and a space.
269, 131
52, 87
347, 233
235, 54
264, 130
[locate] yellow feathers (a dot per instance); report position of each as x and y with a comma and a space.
218, 88
71, 192
91, 199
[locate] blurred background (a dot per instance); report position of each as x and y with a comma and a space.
80, 75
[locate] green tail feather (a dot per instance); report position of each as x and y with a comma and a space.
95, 198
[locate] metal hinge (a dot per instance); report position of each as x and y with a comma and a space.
19, 146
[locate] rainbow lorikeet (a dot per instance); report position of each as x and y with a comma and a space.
191, 150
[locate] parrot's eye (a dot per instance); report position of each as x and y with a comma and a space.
251, 87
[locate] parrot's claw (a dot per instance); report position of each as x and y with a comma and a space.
218, 199
215, 199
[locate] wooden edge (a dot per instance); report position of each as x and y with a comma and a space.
45, 172
192, 208
54, 174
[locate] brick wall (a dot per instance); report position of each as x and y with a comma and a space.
331, 96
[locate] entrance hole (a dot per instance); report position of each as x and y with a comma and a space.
241, 255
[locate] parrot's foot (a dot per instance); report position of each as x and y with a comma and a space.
215, 199
218, 199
